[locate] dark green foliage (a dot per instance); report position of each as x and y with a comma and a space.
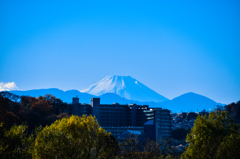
15, 143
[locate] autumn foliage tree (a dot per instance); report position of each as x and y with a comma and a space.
7, 117
43, 110
234, 110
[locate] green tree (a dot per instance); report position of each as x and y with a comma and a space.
75, 137
15, 143
229, 148
213, 135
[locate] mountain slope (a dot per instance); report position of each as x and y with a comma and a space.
190, 102
126, 87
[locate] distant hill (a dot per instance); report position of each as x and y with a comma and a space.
65, 96
126, 87
186, 102
190, 102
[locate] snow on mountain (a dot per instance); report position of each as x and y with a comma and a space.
126, 87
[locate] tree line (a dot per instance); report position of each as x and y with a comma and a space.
43, 110
73, 138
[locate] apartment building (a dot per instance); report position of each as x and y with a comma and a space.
117, 118
162, 122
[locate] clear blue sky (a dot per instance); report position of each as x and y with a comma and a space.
173, 47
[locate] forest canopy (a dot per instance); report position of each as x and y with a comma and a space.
43, 110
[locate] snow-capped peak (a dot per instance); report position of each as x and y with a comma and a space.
126, 87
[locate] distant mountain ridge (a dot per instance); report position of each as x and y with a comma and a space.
126, 87
66, 96
127, 90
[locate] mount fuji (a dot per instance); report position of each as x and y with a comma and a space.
126, 87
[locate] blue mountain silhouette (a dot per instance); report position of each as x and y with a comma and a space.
186, 102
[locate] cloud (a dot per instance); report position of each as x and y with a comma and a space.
7, 86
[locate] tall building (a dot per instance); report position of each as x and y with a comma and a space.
162, 122
117, 118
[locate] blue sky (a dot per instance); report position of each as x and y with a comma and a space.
171, 47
